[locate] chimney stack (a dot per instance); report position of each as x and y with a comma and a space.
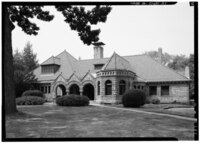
160, 55
187, 72
98, 50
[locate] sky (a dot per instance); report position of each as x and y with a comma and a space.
129, 30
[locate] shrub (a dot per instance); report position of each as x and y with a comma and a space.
155, 100
72, 100
134, 98
37, 93
29, 100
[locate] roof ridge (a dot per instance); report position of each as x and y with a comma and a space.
67, 53
134, 55
103, 68
166, 67
122, 57
46, 60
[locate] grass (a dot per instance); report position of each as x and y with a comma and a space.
43, 121
185, 110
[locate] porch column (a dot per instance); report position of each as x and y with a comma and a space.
67, 92
158, 90
81, 92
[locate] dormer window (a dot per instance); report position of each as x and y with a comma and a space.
50, 66
48, 69
98, 66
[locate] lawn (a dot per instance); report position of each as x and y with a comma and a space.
174, 109
45, 121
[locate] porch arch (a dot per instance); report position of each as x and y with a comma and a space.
56, 85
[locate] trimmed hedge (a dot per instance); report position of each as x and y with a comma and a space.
72, 100
29, 100
37, 93
134, 98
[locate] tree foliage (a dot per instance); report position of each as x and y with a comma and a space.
29, 58
179, 62
77, 17
166, 58
81, 20
21, 15
23, 64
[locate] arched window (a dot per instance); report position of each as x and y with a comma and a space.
108, 87
122, 87
98, 87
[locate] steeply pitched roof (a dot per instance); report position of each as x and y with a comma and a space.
116, 62
52, 60
144, 66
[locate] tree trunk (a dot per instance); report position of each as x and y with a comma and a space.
9, 104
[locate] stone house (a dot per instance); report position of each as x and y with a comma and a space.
104, 80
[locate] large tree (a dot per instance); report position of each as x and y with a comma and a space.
78, 18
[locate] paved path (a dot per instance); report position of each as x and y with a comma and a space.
146, 112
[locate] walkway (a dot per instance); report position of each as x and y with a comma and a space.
146, 112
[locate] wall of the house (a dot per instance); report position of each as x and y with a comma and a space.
102, 98
177, 93
115, 97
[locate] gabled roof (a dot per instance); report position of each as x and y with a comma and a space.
116, 62
146, 68
52, 60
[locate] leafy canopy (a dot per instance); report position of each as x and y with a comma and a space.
77, 17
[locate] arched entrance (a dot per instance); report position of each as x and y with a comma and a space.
88, 90
60, 90
74, 89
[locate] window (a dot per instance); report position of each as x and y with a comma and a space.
122, 87
98, 87
108, 87
42, 89
138, 86
152, 90
98, 66
47, 69
164, 90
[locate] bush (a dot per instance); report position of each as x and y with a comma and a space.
134, 98
155, 100
37, 93
29, 100
72, 100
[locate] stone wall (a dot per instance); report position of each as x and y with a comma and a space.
177, 93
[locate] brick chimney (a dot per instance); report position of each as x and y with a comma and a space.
160, 55
187, 72
98, 52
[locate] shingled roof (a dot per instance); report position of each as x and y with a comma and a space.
52, 60
117, 62
144, 66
